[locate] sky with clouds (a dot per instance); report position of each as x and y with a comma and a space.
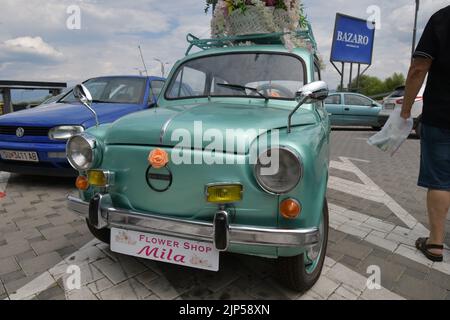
35, 43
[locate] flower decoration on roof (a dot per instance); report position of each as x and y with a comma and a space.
244, 17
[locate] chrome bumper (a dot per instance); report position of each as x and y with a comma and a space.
193, 230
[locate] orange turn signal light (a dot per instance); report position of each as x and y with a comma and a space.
290, 208
82, 183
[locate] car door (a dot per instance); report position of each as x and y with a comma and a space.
334, 107
360, 110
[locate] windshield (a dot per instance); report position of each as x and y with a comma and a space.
113, 90
274, 75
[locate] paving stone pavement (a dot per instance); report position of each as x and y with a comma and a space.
375, 226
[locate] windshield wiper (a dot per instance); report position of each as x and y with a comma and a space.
243, 88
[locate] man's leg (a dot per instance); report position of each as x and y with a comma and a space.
438, 203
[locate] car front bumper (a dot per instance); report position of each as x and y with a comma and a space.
102, 215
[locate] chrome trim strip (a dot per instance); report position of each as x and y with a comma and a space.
200, 231
164, 128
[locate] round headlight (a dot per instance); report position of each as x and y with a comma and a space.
278, 170
80, 152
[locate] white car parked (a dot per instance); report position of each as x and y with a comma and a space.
395, 100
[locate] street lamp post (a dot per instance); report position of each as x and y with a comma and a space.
163, 64
415, 28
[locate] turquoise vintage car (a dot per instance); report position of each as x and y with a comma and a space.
238, 163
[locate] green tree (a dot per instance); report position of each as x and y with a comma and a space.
373, 86
396, 80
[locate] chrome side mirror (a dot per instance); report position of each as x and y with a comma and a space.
83, 95
312, 92
309, 93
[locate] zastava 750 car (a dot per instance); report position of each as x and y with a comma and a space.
238, 162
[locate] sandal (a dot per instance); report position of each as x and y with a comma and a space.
422, 245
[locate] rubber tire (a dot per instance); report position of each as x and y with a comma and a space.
292, 270
104, 235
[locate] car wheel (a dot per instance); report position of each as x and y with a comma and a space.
301, 272
104, 235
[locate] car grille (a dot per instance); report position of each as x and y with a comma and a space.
28, 131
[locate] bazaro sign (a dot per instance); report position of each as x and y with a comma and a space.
352, 40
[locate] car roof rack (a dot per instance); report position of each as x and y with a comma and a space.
263, 39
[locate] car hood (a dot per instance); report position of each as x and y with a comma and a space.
54, 114
167, 126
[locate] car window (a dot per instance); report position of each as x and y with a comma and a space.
333, 99
275, 75
196, 80
354, 100
156, 87
113, 90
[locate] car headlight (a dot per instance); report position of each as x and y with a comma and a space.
64, 132
278, 170
83, 152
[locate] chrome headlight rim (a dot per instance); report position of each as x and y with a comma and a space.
93, 145
301, 169
77, 128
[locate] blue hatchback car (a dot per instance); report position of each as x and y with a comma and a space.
34, 141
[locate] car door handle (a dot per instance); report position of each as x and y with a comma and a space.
347, 109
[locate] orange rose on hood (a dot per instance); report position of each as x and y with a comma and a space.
158, 158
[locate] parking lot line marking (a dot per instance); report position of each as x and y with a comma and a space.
369, 190
386, 235
87, 254
352, 283
4, 177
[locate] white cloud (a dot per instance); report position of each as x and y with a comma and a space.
32, 46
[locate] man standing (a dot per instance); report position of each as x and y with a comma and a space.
432, 57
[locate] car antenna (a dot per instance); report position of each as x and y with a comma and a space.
142, 58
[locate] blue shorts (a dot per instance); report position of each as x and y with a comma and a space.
435, 158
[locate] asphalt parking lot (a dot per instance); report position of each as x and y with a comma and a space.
376, 213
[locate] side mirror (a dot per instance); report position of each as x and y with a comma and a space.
312, 92
83, 95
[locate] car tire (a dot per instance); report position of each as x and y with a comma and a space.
104, 235
293, 271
